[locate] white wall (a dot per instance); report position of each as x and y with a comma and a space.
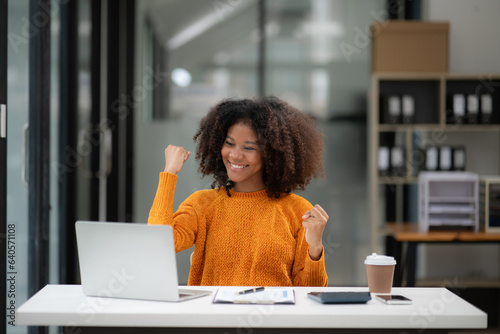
474, 47
474, 32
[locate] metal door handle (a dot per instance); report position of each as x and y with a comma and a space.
3, 121
106, 153
108, 144
25, 152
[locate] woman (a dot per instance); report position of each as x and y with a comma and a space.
249, 229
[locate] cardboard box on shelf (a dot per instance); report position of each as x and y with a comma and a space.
409, 46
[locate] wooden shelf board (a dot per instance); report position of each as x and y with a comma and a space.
411, 76
407, 127
477, 76
433, 127
408, 232
434, 236
471, 127
396, 180
435, 76
479, 236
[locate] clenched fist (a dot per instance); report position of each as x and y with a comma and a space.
175, 157
314, 223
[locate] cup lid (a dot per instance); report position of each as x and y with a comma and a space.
380, 260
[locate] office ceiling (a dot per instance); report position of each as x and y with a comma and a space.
172, 16
197, 31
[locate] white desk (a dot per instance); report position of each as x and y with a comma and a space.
433, 310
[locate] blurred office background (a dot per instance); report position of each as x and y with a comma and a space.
219, 48
120, 80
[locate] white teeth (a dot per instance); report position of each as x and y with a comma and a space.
236, 166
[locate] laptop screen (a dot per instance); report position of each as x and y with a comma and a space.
127, 260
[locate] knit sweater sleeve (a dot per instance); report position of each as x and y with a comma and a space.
183, 222
306, 271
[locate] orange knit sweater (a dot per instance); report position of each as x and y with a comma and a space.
247, 239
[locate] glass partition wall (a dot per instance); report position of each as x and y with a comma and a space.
30, 85
318, 58
192, 54
314, 54
17, 128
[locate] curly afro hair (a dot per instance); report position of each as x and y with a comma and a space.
290, 140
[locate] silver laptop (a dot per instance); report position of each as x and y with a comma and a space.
129, 260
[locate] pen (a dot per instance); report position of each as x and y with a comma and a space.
244, 292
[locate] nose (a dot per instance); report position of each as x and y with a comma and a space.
235, 154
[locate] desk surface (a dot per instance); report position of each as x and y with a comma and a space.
405, 232
66, 305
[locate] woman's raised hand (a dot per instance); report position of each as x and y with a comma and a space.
175, 157
314, 223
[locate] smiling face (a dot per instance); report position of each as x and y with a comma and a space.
243, 158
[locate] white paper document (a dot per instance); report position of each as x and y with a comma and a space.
272, 295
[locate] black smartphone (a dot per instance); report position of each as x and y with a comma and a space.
393, 299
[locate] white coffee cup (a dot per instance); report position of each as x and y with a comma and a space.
380, 272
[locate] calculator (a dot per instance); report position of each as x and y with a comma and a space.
340, 297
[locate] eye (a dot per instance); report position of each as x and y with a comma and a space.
249, 148
228, 143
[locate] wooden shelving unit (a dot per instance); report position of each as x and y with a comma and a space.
431, 92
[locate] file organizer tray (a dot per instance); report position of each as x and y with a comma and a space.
448, 199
